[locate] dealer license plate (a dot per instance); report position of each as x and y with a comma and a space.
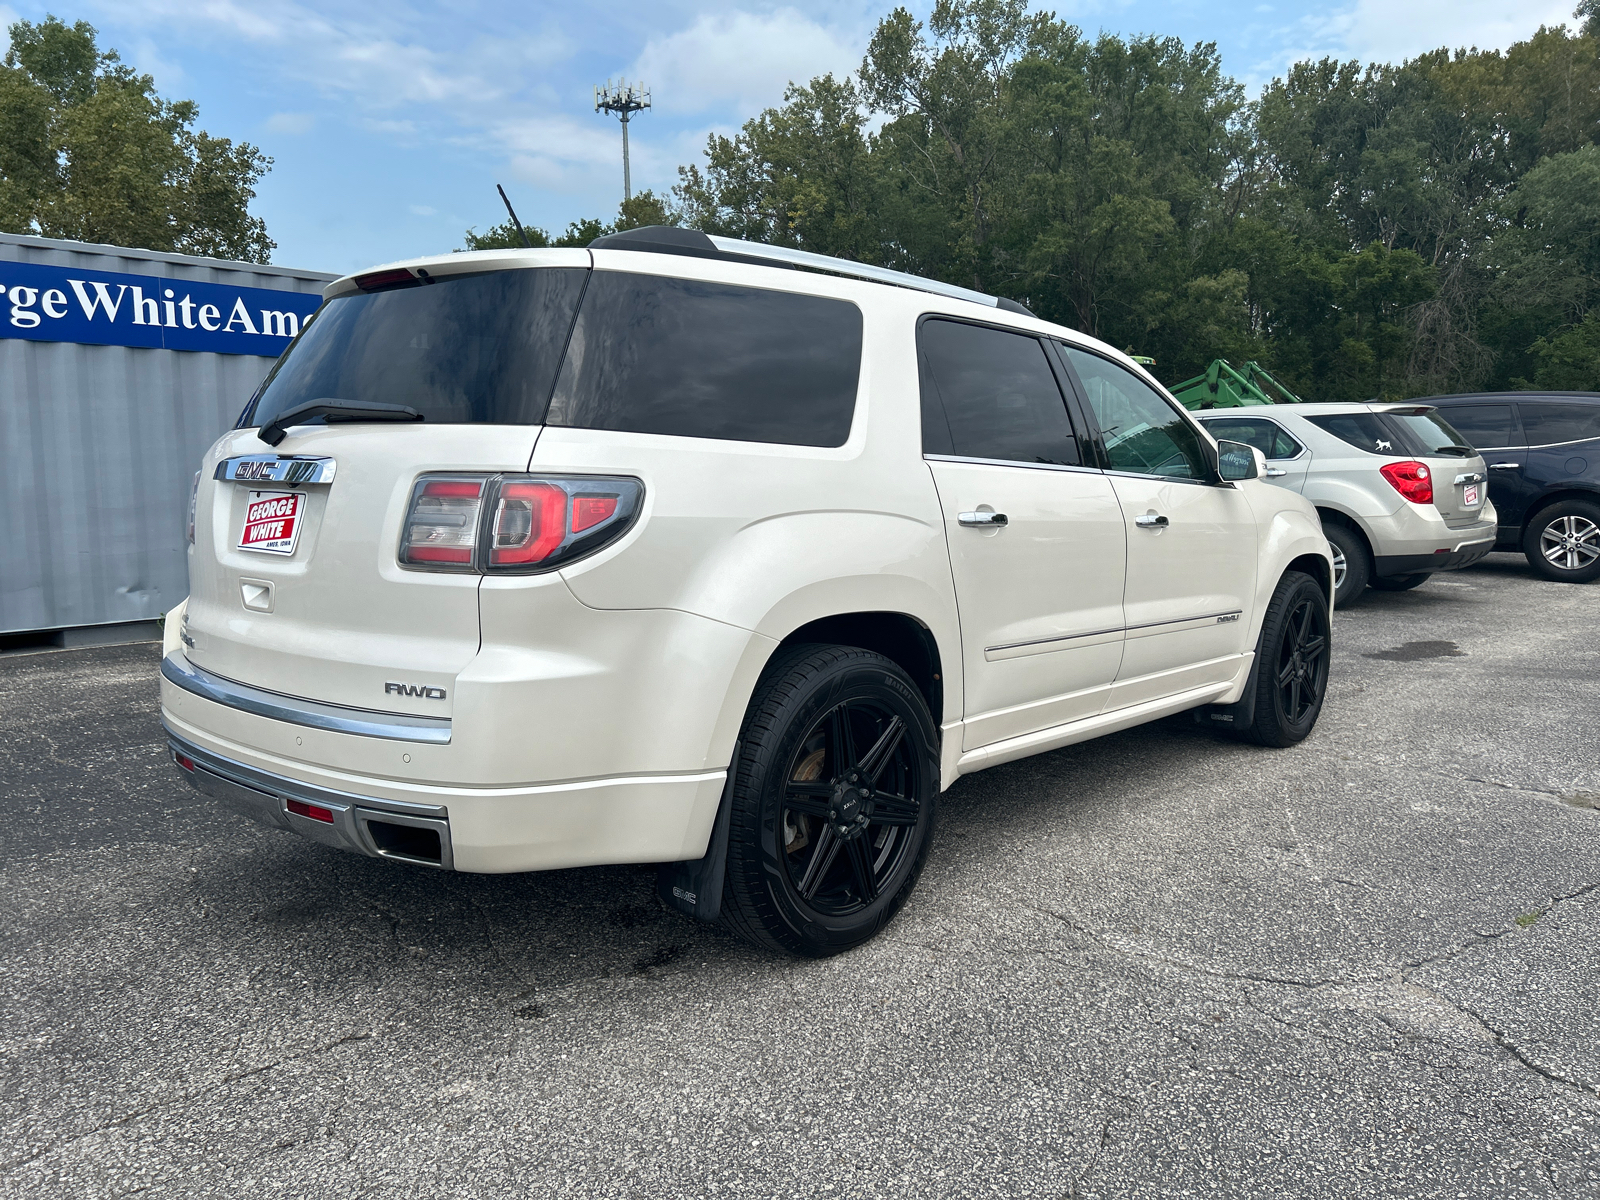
272, 522
1469, 495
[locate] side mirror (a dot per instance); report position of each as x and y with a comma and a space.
1237, 461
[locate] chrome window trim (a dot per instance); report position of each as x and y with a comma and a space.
1549, 445
313, 714
1006, 462
1071, 637
1169, 478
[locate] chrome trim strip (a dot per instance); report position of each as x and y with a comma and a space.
1116, 629
1001, 462
841, 266
1070, 637
276, 468
311, 713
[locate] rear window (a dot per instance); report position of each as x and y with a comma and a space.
710, 360
1420, 433
1551, 424
1430, 434
466, 349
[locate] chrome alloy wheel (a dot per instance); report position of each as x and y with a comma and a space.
1340, 567
1570, 543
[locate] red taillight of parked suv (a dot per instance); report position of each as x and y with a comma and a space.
1411, 479
514, 523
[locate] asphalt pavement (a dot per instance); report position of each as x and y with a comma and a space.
1158, 964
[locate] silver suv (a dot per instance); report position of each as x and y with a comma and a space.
667, 552
1400, 492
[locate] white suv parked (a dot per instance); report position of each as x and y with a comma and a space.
666, 551
1400, 492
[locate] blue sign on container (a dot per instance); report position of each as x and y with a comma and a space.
105, 308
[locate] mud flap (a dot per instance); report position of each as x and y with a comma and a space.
694, 888
1233, 716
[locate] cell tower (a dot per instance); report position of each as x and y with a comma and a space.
624, 99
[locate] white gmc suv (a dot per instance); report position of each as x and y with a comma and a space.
722, 556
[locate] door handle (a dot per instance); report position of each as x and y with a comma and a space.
1469, 477
1276, 472
1504, 466
982, 520
1151, 521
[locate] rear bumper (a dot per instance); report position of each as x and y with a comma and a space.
413, 833
1463, 555
574, 823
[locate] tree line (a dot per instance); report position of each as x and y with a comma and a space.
1381, 231
1386, 231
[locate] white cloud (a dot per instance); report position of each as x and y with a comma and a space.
292, 124
424, 210
1383, 31
743, 60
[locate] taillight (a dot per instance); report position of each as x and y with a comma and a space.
530, 521
534, 522
1411, 479
442, 528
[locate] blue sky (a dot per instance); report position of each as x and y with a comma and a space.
390, 123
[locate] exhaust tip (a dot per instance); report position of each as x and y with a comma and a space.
411, 842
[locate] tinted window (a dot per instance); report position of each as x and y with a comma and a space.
1142, 432
1364, 431
1429, 434
709, 360
473, 348
987, 393
1482, 425
1266, 436
1546, 424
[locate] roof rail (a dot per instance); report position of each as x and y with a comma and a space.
667, 239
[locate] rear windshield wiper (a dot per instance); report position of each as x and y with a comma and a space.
1457, 451
332, 410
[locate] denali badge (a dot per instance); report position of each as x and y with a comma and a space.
413, 689
1226, 617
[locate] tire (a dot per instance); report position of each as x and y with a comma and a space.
1291, 671
1562, 542
1401, 583
817, 863
1351, 559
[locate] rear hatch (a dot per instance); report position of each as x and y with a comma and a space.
1460, 489
296, 579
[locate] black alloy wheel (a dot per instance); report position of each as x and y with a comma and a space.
1292, 656
1562, 542
833, 805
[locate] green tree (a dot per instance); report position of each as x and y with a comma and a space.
89, 151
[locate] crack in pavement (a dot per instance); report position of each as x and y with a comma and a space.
185, 1098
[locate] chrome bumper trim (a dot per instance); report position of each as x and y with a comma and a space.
311, 713
264, 798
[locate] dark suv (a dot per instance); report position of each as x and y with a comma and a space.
1543, 455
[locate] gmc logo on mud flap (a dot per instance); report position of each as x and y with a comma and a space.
413, 689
